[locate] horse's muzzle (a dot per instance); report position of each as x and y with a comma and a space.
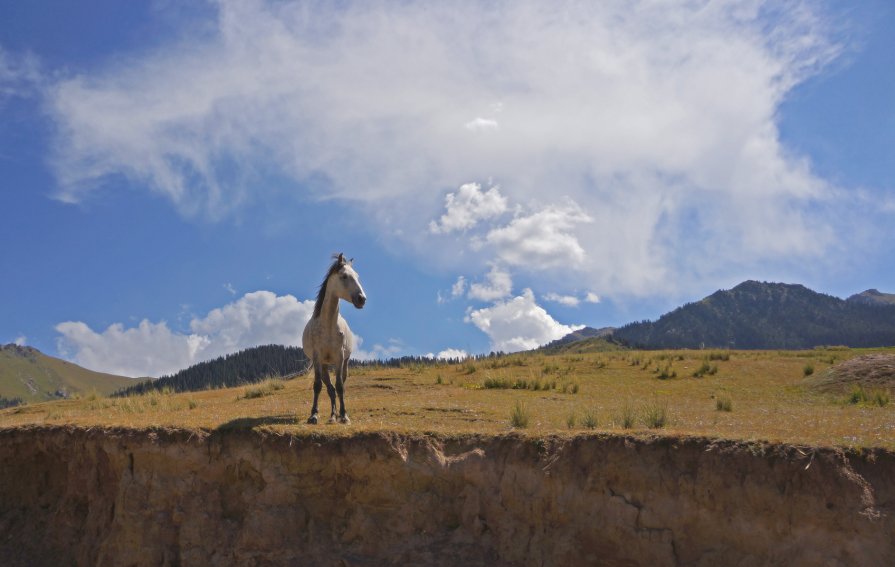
359, 301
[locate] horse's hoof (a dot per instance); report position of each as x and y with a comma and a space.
344, 419
313, 419
332, 419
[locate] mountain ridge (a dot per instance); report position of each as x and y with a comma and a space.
763, 315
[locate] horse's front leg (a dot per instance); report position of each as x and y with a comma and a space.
318, 385
341, 378
332, 394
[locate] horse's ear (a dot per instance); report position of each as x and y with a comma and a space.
341, 258
351, 261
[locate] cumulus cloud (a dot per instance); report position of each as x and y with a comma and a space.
591, 297
542, 239
452, 353
378, 352
498, 284
518, 324
21, 340
468, 206
154, 349
659, 123
568, 300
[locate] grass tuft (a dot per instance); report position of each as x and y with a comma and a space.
590, 419
723, 403
655, 415
519, 415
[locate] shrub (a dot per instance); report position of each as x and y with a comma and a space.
808, 370
570, 420
519, 415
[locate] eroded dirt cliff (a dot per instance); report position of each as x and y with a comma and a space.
244, 497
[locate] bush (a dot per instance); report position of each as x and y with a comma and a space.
571, 419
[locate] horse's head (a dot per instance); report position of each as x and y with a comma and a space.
345, 283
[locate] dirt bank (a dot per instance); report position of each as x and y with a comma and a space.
242, 497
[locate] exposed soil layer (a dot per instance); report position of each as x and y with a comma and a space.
248, 497
868, 371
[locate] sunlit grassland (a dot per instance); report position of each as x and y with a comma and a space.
743, 395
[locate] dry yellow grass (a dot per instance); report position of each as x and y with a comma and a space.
766, 391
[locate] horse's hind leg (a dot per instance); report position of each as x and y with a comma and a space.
318, 385
332, 394
341, 378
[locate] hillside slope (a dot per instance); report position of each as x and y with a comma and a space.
29, 374
758, 315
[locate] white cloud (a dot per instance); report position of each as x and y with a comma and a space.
153, 349
481, 124
518, 324
467, 207
378, 352
591, 297
21, 340
542, 239
660, 122
568, 300
499, 285
452, 353
230, 289
459, 287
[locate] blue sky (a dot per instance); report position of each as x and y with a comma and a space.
175, 177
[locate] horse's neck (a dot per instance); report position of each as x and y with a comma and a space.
329, 314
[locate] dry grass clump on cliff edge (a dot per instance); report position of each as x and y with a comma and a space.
607, 391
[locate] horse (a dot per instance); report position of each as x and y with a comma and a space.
327, 340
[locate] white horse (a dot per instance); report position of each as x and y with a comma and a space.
327, 340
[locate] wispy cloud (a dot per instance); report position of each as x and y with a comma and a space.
658, 122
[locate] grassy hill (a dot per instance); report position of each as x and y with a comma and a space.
758, 315
28, 374
741, 395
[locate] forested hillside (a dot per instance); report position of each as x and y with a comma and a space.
756, 315
243, 367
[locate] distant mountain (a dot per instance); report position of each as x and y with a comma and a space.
873, 297
244, 367
29, 375
758, 315
587, 339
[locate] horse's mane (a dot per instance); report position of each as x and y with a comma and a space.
321, 293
